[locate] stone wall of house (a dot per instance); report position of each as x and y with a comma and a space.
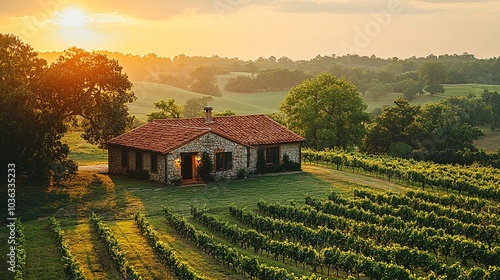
253, 160
210, 143
115, 163
159, 175
292, 150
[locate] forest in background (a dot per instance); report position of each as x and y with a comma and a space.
373, 76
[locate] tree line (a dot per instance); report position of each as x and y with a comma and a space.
373, 76
266, 80
443, 132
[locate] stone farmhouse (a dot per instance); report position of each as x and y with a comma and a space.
171, 149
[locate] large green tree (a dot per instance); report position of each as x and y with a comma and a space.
39, 103
91, 87
472, 110
327, 111
438, 129
390, 127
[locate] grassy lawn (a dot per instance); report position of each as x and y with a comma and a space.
218, 196
138, 252
83, 152
42, 258
88, 250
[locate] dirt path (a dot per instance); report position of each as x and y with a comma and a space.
336, 178
98, 168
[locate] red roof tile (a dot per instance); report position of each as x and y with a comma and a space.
168, 134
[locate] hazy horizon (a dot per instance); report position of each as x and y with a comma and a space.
249, 29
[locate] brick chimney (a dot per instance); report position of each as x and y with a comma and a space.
208, 114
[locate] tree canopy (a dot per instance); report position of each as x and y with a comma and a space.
391, 126
493, 100
194, 106
266, 80
40, 102
205, 80
438, 129
168, 110
327, 111
433, 74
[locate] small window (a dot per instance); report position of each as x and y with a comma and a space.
273, 155
124, 158
154, 163
138, 160
223, 161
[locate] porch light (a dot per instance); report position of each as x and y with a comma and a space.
198, 159
177, 161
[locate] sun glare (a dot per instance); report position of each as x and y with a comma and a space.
74, 17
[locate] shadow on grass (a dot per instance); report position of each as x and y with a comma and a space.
33, 200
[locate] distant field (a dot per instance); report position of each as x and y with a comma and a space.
249, 103
241, 103
490, 142
465, 89
268, 102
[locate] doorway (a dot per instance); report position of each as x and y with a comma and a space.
188, 167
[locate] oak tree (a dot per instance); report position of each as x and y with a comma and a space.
327, 111
40, 102
390, 127
168, 110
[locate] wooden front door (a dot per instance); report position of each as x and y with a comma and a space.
187, 166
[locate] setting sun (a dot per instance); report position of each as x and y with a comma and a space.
73, 17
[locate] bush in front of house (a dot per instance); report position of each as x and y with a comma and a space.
206, 167
138, 174
242, 174
275, 168
290, 165
261, 162
286, 165
176, 181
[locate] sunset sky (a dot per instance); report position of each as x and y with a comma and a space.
249, 29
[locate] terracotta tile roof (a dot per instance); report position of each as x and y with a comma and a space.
168, 134
158, 137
